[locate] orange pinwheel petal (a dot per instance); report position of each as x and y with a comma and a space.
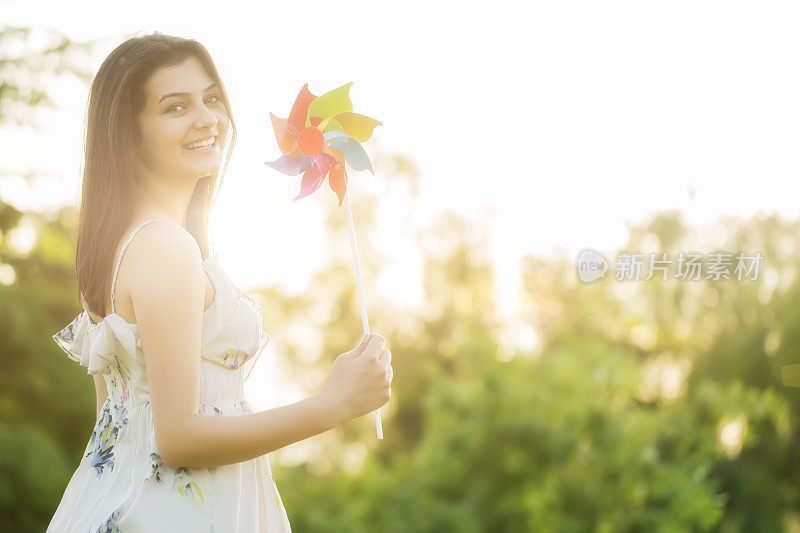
285, 141
297, 117
337, 179
335, 152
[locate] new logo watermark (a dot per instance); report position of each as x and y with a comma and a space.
592, 265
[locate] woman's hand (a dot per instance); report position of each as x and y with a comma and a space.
360, 380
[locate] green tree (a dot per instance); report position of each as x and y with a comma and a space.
41, 434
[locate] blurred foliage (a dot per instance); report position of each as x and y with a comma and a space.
645, 406
28, 59
39, 430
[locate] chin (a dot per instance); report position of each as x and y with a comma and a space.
198, 171
214, 161
206, 171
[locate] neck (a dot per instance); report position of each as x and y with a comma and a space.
156, 198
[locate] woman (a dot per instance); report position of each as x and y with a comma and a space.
175, 446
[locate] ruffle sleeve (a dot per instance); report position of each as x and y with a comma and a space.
94, 345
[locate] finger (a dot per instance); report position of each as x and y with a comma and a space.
374, 346
360, 348
391, 373
386, 357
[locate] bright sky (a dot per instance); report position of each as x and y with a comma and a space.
565, 120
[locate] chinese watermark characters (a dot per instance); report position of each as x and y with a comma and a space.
686, 266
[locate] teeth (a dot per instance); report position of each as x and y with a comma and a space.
202, 144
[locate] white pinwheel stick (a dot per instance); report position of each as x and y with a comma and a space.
357, 269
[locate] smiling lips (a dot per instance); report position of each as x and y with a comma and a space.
207, 143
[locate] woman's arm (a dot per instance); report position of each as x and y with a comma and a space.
208, 440
166, 284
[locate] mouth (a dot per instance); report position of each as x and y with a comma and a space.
206, 145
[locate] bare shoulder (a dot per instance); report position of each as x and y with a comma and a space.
163, 262
163, 241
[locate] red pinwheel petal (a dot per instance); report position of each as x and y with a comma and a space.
314, 176
323, 162
337, 179
297, 118
312, 179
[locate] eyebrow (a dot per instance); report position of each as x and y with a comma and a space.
185, 94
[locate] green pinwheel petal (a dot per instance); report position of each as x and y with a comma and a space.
330, 103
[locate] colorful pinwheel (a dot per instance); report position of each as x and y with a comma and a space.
320, 135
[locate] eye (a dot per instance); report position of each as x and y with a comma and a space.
174, 106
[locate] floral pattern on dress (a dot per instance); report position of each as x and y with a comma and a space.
241, 408
181, 478
67, 334
112, 524
155, 468
232, 358
124, 374
104, 437
185, 485
204, 408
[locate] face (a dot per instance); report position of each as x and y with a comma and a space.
182, 106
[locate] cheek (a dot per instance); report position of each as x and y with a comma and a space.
222, 121
149, 146
160, 135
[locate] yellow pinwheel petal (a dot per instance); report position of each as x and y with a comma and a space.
330, 103
329, 124
359, 127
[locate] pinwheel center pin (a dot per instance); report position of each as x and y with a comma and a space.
310, 140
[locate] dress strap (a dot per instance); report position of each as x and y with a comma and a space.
122, 254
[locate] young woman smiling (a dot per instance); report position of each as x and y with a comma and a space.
176, 447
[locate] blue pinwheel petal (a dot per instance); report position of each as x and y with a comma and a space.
333, 134
291, 165
353, 151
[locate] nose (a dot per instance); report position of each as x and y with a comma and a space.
206, 119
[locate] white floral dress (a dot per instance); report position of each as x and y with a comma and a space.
121, 484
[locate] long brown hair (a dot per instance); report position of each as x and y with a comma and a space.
116, 98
